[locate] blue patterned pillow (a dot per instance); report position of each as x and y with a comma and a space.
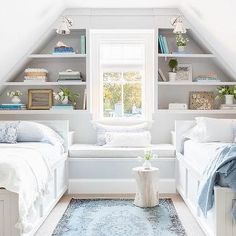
8, 131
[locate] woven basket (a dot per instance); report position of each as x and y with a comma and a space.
35, 74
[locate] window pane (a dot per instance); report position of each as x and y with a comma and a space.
112, 100
132, 76
132, 100
111, 76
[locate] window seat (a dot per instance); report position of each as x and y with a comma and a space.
94, 151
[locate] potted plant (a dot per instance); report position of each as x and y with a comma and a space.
148, 156
173, 63
65, 95
227, 92
181, 42
15, 95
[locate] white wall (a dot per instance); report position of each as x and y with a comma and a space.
22, 24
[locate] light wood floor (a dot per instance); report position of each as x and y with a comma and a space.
191, 226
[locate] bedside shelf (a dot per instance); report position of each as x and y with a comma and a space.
177, 55
196, 83
45, 112
41, 83
57, 55
166, 111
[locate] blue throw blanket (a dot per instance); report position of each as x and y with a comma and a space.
223, 165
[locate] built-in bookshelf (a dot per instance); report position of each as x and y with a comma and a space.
44, 57
203, 62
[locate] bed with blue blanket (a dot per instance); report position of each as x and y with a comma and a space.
206, 179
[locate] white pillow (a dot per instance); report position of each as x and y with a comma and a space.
102, 129
29, 131
212, 130
126, 139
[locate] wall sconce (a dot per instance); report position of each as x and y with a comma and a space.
64, 26
178, 24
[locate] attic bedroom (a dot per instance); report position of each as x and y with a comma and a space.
117, 118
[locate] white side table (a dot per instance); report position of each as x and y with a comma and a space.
147, 183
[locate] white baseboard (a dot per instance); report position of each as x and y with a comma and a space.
114, 186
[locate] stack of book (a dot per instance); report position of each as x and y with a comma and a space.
207, 78
61, 48
68, 107
163, 46
35, 75
228, 107
13, 107
69, 75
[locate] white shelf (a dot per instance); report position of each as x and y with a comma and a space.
196, 111
46, 112
57, 55
185, 55
41, 83
196, 83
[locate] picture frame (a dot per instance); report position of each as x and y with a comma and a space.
201, 100
40, 99
184, 73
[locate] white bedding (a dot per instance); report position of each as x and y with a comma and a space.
199, 154
25, 169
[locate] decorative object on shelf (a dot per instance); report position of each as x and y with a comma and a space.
210, 77
35, 75
69, 75
181, 42
228, 107
161, 75
64, 25
178, 24
65, 95
39, 99
228, 92
18, 106
163, 46
184, 73
201, 100
178, 106
173, 63
15, 96
62, 48
82, 44
63, 107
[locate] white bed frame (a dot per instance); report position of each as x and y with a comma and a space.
57, 187
219, 221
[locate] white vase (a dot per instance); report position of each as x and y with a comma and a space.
172, 76
229, 99
181, 48
147, 164
65, 100
15, 100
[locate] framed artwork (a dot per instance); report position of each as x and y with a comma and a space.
39, 99
184, 73
201, 100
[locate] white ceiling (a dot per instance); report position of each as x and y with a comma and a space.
23, 22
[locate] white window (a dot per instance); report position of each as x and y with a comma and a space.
122, 74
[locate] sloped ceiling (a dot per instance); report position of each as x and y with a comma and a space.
23, 22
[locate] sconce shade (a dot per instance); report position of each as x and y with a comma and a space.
64, 25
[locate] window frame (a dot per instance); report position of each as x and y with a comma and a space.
98, 37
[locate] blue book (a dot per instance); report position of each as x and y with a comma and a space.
166, 45
82, 44
160, 43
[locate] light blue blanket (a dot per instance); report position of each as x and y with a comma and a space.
223, 165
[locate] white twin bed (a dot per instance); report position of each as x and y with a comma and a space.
192, 159
33, 177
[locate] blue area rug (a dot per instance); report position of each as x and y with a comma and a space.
119, 218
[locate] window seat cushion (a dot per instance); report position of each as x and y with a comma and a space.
94, 151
